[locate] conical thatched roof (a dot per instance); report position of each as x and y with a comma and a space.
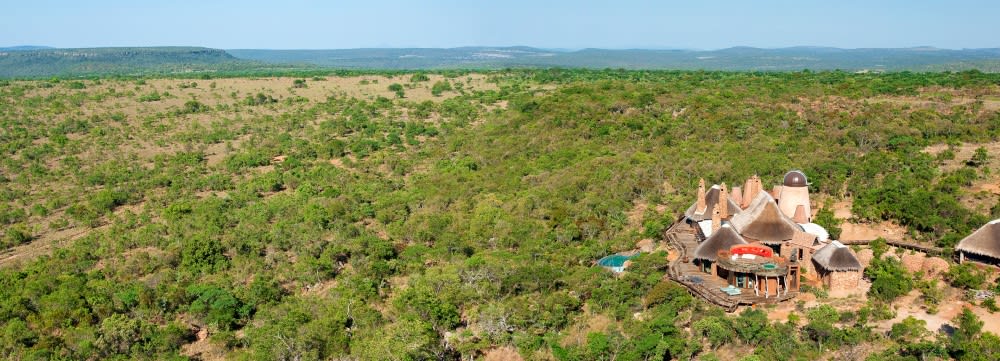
985, 241
711, 199
764, 222
720, 240
836, 257
754, 207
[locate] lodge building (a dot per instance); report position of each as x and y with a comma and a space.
753, 244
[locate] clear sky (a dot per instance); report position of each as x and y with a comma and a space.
691, 24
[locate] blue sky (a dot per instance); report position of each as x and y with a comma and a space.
304, 24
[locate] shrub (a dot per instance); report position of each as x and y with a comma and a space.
395, 87
991, 305
418, 77
440, 87
107, 199
16, 236
200, 255
824, 217
259, 99
979, 158
966, 276
216, 305
889, 279
151, 97
193, 106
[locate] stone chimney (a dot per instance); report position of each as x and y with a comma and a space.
750, 190
716, 219
737, 195
800, 215
701, 196
723, 202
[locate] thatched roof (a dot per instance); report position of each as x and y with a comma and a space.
711, 199
721, 240
764, 222
755, 206
836, 257
985, 241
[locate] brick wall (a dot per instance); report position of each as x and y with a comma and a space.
842, 281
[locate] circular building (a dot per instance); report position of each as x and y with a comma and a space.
795, 194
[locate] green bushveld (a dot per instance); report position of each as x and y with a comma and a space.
388, 224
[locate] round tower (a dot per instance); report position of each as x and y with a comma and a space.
794, 194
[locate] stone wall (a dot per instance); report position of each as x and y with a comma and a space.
842, 281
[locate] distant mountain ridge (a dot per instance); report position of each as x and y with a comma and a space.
735, 58
105, 61
33, 61
24, 47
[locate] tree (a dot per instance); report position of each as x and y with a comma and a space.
396, 87
299, 83
824, 217
217, 306
717, 329
965, 275
908, 330
418, 77
820, 327
889, 279
118, 334
440, 87
16, 235
968, 327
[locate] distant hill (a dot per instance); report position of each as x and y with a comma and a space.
26, 61
104, 61
737, 58
24, 47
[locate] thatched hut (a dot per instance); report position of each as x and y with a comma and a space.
838, 267
763, 222
697, 214
982, 246
707, 253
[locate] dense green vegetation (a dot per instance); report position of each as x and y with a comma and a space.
377, 228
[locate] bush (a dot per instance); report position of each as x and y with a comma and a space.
991, 305
259, 99
16, 236
107, 199
889, 279
200, 255
418, 77
151, 97
966, 276
440, 87
193, 106
979, 158
826, 219
217, 306
398, 89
